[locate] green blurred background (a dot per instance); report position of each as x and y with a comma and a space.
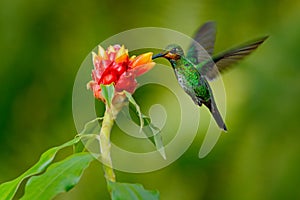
44, 42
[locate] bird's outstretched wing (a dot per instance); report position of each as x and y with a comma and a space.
203, 45
225, 60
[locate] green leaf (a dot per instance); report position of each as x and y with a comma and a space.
79, 147
137, 108
91, 129
128, 191
134, 114
153, 134
151, 131
8, 189
59, 177
108, 92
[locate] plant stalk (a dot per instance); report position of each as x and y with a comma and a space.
105, 145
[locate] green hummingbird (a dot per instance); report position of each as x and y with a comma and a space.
194, 69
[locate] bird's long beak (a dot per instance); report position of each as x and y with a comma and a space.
162, 54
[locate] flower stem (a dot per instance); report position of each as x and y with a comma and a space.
105, 144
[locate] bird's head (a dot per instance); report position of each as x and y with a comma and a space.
171, 52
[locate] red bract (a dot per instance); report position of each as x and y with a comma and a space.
114, 66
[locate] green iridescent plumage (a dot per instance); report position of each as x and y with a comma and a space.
190, 79
193, 70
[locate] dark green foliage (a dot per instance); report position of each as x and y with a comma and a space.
127, 191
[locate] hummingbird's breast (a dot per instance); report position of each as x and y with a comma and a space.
185, 81
192, 83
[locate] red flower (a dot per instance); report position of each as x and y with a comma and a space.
115, 66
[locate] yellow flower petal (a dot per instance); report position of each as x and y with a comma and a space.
121, 52
142, 59
89, 84
102, 53
95, 58
122, 58
132, 58
111, 49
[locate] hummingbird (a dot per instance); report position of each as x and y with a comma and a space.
198, 66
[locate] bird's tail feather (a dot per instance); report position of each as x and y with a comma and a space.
211, 105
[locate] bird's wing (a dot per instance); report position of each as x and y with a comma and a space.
225, 60
202, 46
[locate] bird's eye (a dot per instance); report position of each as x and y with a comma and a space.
174, 50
